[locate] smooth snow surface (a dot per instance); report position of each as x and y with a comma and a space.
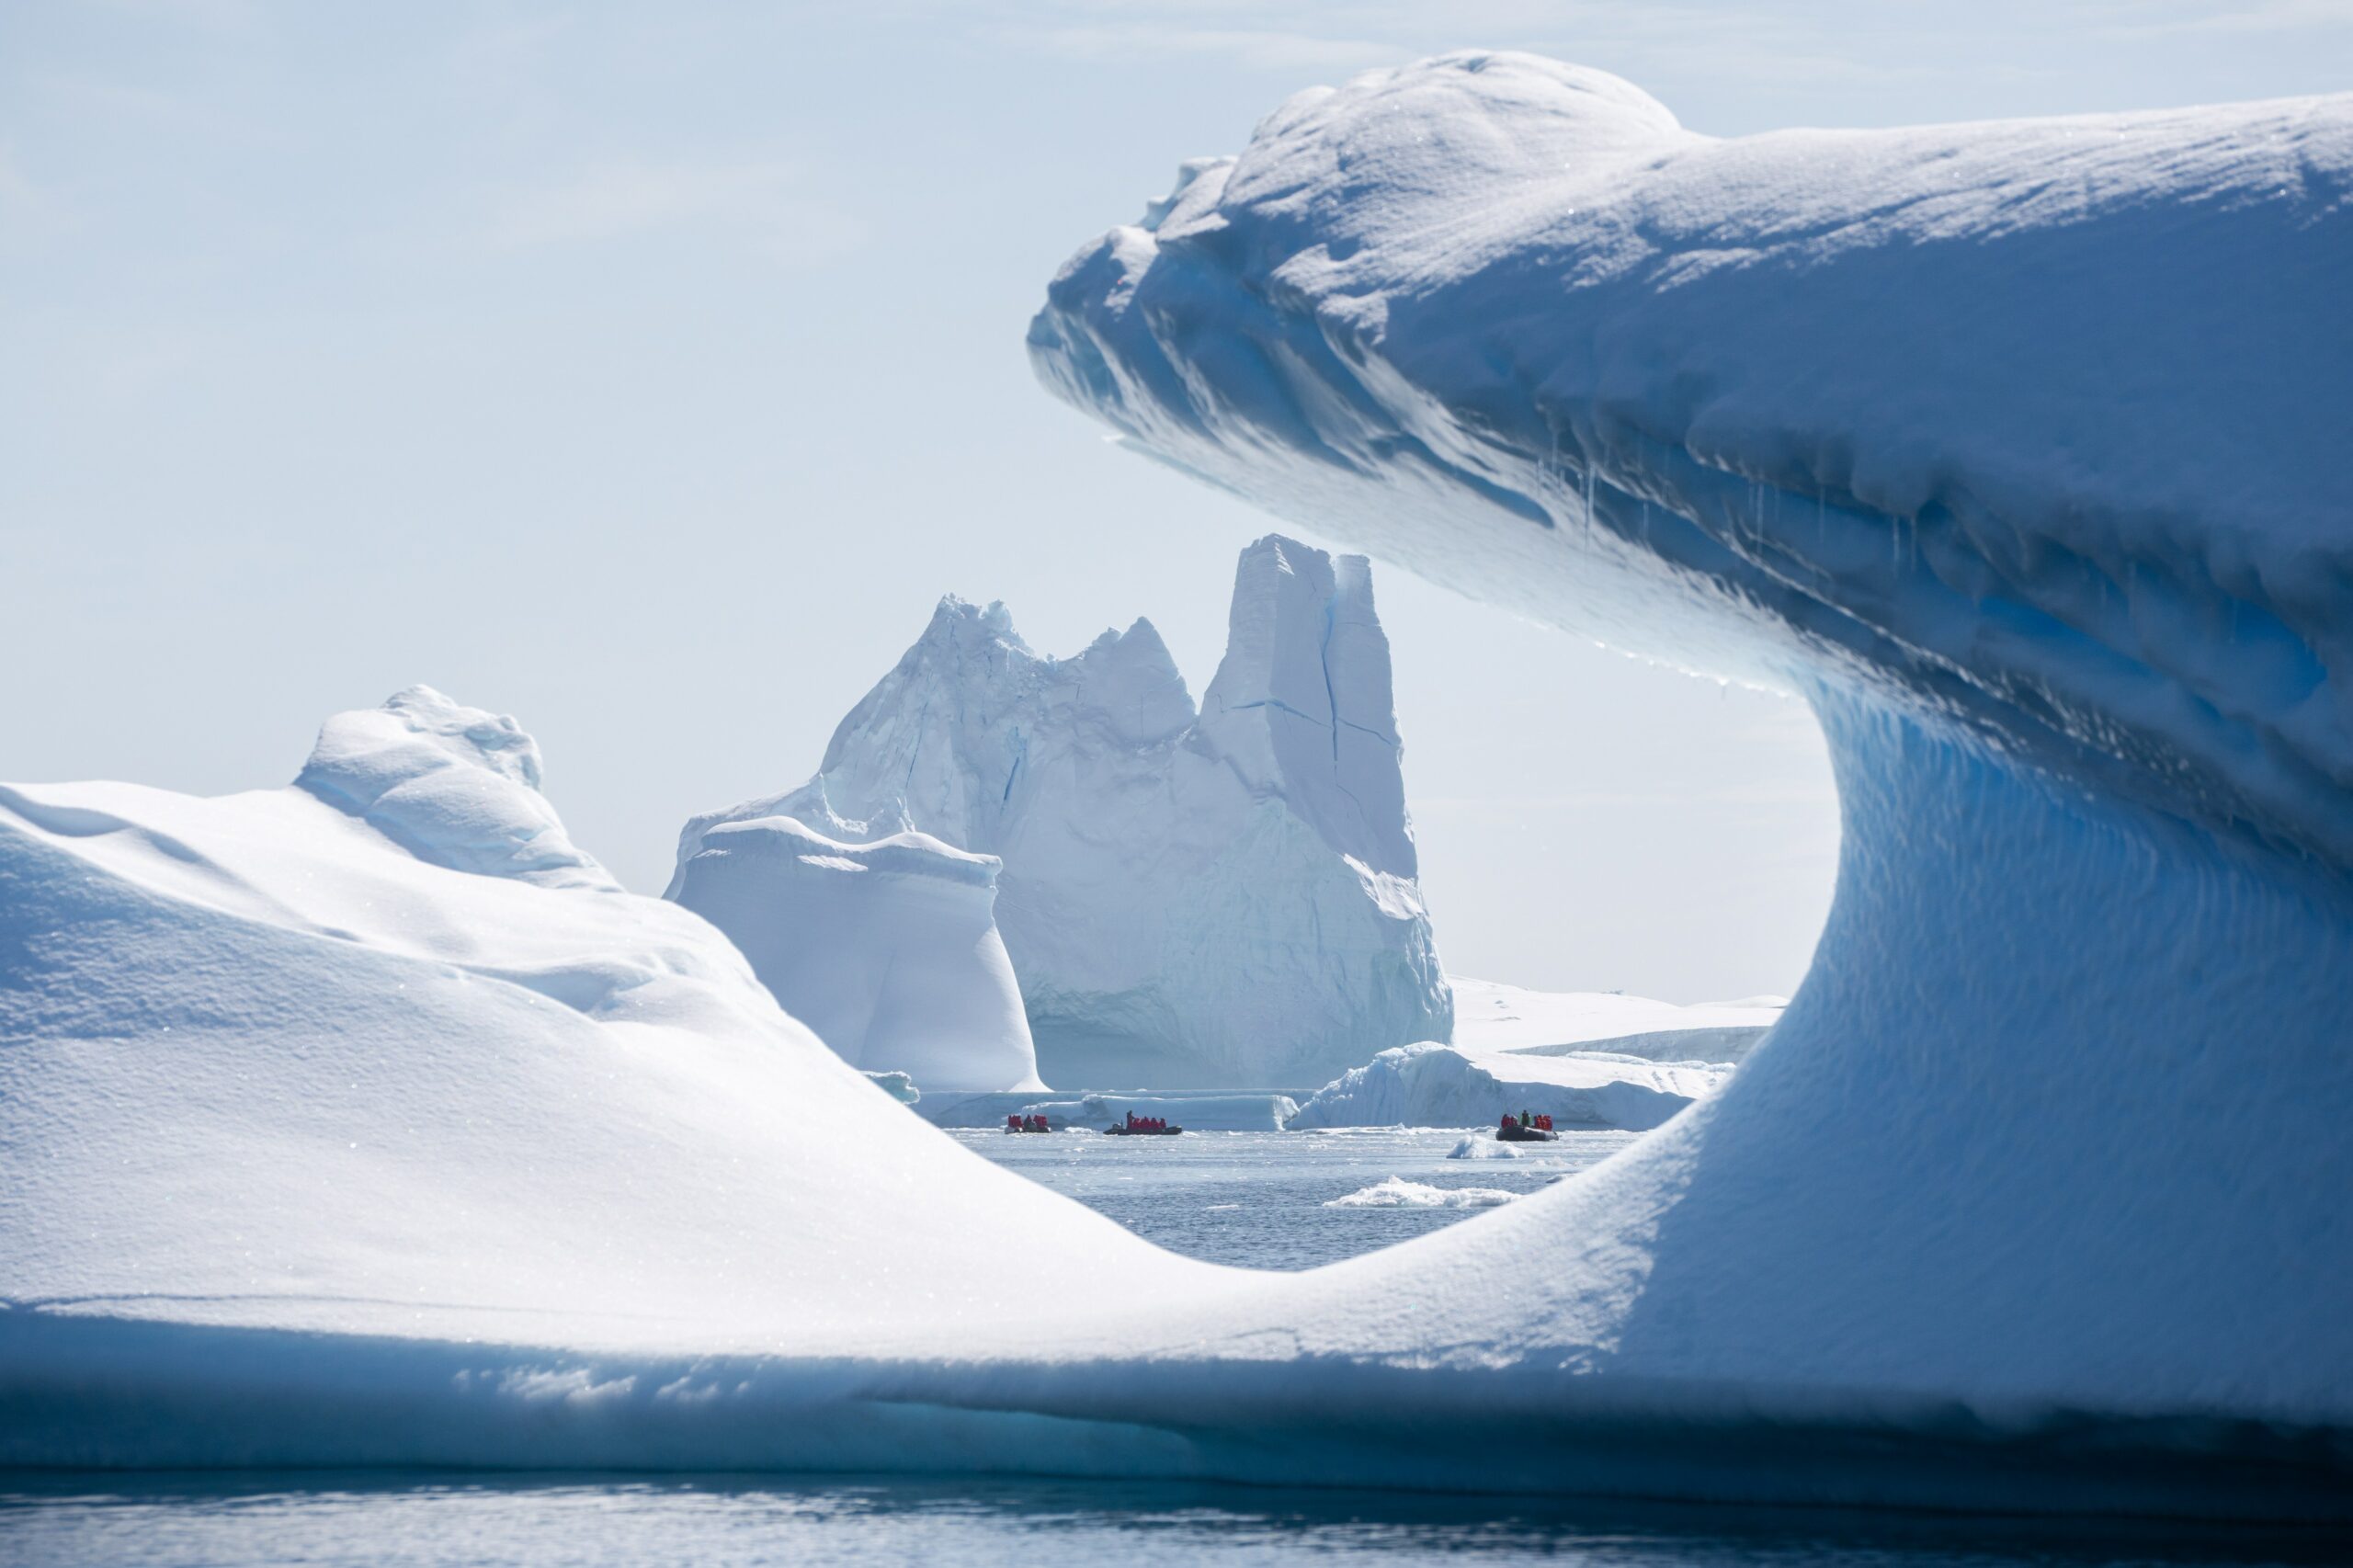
1442, 1085
401, 1065
889, 950
1220, 898
2016, 449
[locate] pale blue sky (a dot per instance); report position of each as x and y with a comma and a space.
648, 371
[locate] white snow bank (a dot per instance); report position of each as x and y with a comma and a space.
1396, 1192
1220, 898
271, 1065
2016, 450
1481, 1146
1441, 1086
888, 949
1490, 1017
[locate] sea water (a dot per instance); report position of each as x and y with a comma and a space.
1280, 1200
1262, 1200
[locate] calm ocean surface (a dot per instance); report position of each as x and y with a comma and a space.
1262, 1200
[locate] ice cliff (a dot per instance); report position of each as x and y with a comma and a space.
1224, 897
2016, 450
889, 950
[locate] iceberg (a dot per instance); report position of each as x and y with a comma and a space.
1220, 898
2013, 449
334, 1132
889, 950
1586, 1059
382, 1059
1443, 1085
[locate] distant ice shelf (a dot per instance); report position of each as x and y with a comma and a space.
1445, 1085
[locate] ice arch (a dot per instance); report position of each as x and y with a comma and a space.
2017, 449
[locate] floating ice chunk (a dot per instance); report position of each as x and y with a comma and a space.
1396, 1192
1481, 1146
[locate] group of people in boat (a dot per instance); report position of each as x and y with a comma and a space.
1146, 1123
1525, 1128
1026, 1124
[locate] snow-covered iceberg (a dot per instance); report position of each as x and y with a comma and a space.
383, 1056
1220, 898
1448, 1085
2016, 450
888, 950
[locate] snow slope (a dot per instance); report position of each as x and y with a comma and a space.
1442, 1085
889, 950
2014, 448
1224, 898
381, 1054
